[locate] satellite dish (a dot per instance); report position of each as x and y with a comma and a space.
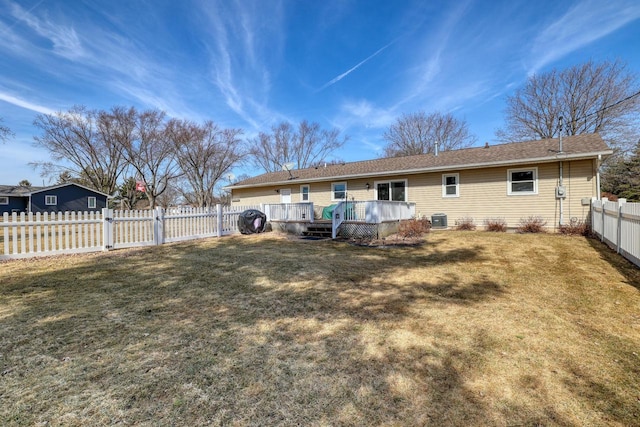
287, 167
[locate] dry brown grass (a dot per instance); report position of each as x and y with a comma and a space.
468, 329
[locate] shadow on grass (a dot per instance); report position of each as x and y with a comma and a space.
626, 268
250, 332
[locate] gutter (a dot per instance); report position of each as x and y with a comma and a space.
557, 157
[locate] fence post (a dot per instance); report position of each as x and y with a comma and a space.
158, 226
619, 223
219, 219
311, 213
604, 200
107, 229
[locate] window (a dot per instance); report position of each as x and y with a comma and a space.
304, 193
4, 200
451, 185
91, 202
522, 181
395, 191
50, 200
338, 191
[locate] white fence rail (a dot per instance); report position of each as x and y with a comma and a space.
27, 235
618, 225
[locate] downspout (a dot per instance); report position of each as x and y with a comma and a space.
561, 199
560, 186
598, 162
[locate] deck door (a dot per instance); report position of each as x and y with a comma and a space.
285, 195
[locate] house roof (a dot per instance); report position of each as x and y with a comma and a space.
21, 191
16, 190
538, 151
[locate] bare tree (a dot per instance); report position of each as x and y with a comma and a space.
590, 97
417, 133
5, 132
149, 151
304, 146
79, 144
205, 154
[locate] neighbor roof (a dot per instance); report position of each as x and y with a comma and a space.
16, 190
538, 151
22, 191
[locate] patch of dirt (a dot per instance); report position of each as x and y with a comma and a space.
394, 240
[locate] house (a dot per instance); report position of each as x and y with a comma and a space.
555, 179
58, 198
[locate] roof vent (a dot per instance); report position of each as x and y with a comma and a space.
437, 146
486, 145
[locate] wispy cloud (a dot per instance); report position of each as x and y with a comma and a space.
355, 67
581, 25
14, 100
241, 52
65, 40
427, 70
363, 113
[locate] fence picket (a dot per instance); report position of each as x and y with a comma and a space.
618, 225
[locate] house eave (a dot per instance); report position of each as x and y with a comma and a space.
547, 159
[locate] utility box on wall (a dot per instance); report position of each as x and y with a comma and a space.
439, 220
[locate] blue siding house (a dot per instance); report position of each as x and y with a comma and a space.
58, 198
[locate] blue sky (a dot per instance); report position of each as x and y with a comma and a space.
354, 65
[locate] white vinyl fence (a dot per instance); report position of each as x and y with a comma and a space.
27, 235
618, 225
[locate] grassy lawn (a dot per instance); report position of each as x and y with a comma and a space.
471, 328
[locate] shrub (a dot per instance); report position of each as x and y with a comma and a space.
576, 227
465, 224
532, 224
414, 227
498, 225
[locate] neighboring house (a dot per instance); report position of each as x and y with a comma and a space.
509, 181
58, 198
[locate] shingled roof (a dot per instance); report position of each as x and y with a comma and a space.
16, 190
537, 151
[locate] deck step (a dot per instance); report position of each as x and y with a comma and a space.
318, 230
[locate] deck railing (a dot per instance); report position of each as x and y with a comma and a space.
288, 211
370, 212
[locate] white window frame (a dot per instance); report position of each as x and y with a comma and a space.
510, 191
92, 205
389, 181
4, 200
302, 193
444, 185
333, 191
50, 200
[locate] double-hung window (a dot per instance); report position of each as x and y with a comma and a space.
304, 193
522, 181
338, 191
451, 185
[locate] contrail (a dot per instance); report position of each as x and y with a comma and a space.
346, 73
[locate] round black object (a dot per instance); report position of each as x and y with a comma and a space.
252, 221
